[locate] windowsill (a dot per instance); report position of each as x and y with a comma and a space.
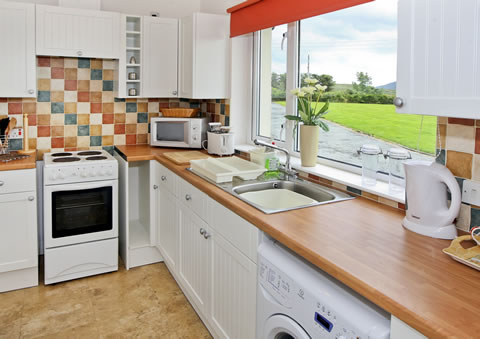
340, 176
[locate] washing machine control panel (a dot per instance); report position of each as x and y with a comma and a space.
312, 304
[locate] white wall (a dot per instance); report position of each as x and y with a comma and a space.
217, 6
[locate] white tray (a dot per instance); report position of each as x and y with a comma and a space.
224, 169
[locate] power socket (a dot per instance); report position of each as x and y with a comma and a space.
471, 192
16, 133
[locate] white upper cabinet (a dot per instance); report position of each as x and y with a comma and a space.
17, 59
204, 51
160, 40
439, 58
74, 32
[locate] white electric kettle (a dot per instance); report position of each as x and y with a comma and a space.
427, 202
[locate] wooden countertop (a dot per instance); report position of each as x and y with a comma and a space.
27, 163
362, 244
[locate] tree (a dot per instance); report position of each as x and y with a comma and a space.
364, 84
324, 80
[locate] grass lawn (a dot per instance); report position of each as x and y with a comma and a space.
381, 121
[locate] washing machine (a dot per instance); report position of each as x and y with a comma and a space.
297, 300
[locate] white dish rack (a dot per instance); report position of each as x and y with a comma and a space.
224, 169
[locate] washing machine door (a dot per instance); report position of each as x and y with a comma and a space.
283, 327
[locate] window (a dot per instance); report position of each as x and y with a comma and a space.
353, 52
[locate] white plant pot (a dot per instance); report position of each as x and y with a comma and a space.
309, 136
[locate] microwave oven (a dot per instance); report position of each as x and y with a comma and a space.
178, 132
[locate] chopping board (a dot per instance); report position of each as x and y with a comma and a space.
183, 158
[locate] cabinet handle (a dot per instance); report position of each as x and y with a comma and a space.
206, 235
79, 53
188, 197
398, 102
31, 198
163, 178
202, 231
155, 187
31, 91
174, 92
1, 183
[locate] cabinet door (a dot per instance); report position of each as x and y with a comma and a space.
160, 39
438, 63
17, 59
77, 32
18, 231
186, 59
233, 290
167, 228
194, 262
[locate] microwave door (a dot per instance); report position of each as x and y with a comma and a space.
172, 133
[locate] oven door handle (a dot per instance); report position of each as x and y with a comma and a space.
80, 186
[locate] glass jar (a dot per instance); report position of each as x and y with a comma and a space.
396, 172
369, 154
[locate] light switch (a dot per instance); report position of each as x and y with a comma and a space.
471, 192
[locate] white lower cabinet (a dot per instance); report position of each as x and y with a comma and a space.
167, 230
210, 259
195, 244
18, 231
232, 290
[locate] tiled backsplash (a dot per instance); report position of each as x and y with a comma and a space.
75, 108
460, 151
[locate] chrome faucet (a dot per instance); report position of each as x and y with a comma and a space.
287, 167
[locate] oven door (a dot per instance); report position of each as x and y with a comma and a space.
171, 132
83, 212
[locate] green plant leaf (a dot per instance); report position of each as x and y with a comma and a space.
293, 117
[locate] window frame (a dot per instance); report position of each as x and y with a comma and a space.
293, 68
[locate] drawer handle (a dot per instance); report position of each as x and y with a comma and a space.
79, 53
31, 198
202, 231
31, 91
188, 197
1, 183
155, 187
206, 235
163, 178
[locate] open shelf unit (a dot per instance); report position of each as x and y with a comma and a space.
131, 45
137, 230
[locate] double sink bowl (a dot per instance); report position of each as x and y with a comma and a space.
280, 195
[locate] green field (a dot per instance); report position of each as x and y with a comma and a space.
381, 121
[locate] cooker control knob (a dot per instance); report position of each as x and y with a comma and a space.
92, 172
109, 171
103, 171
61, 175
84, 173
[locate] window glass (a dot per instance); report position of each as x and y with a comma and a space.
354, 53
272, 82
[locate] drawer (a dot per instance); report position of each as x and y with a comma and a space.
167, 179
18, 181
191, 197
239, 232
81, 260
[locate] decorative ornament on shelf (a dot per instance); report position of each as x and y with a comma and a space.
311, 116
26, 147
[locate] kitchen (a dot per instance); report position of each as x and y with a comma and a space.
145, 247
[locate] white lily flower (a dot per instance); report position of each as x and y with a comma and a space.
295, 91
301, 94
308, 90
321, 88
311, 81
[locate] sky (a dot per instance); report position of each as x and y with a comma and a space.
358, 39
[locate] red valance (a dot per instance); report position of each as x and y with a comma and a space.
254, 15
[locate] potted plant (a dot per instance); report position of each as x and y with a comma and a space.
310, 116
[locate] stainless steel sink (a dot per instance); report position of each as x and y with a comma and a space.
284, 195
280, 195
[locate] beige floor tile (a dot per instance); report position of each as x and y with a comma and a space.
142, 302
